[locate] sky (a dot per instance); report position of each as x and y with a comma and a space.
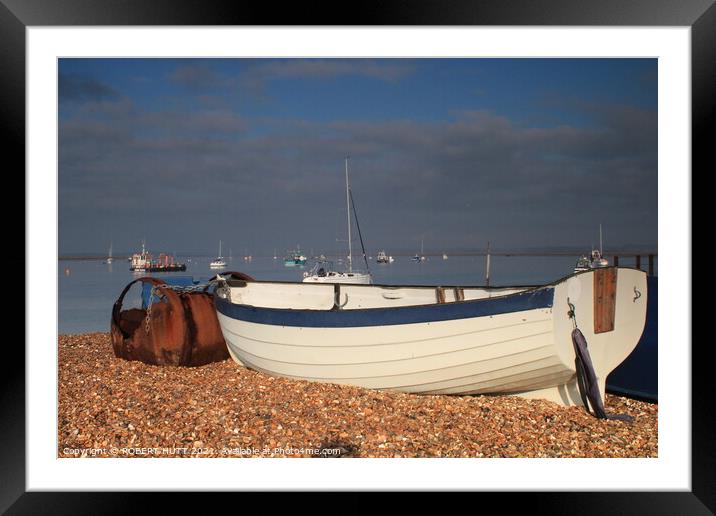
524, 153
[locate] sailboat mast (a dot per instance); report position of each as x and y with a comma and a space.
601, 251
487, 266
348, 213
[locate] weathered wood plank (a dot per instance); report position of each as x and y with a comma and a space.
605, 291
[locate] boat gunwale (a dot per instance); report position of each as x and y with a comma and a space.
527, 289
376, 309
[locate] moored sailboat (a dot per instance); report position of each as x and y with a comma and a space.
420, 257
219, 262
323, 271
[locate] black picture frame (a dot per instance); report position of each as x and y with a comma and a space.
699, 15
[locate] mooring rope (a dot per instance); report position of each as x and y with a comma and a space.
360, 235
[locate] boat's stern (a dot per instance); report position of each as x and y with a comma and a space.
608, 305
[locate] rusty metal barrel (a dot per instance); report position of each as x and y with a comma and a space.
178, 328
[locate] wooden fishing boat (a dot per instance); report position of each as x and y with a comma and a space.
437, 340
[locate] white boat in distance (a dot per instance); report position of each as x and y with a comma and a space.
437, 340
324, 272
383, 258
219, 263
595, 260
419, 257
294, 258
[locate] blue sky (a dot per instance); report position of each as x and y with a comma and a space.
521, 152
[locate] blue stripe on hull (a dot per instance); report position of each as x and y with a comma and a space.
532, 300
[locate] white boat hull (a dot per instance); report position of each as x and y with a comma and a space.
527, 351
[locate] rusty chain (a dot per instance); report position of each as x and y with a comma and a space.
155, 292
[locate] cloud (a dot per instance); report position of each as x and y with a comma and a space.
194, 76
74, 87
255, 78
476, 176
206, 78
323, 68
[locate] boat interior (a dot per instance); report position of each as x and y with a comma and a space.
328, 296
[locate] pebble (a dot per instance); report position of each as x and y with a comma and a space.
110, 407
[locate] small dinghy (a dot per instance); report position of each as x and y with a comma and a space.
437, 340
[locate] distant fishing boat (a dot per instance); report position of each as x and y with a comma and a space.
144, 262
382, 257
438, 340
324, 272
595, 260
445, 256
294, 258
219, 262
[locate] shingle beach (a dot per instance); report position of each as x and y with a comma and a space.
109, 407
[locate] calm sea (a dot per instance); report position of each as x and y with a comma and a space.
88, 289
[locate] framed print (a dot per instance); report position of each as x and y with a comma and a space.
125, 120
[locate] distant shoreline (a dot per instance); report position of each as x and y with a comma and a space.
621, 254
88, 258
